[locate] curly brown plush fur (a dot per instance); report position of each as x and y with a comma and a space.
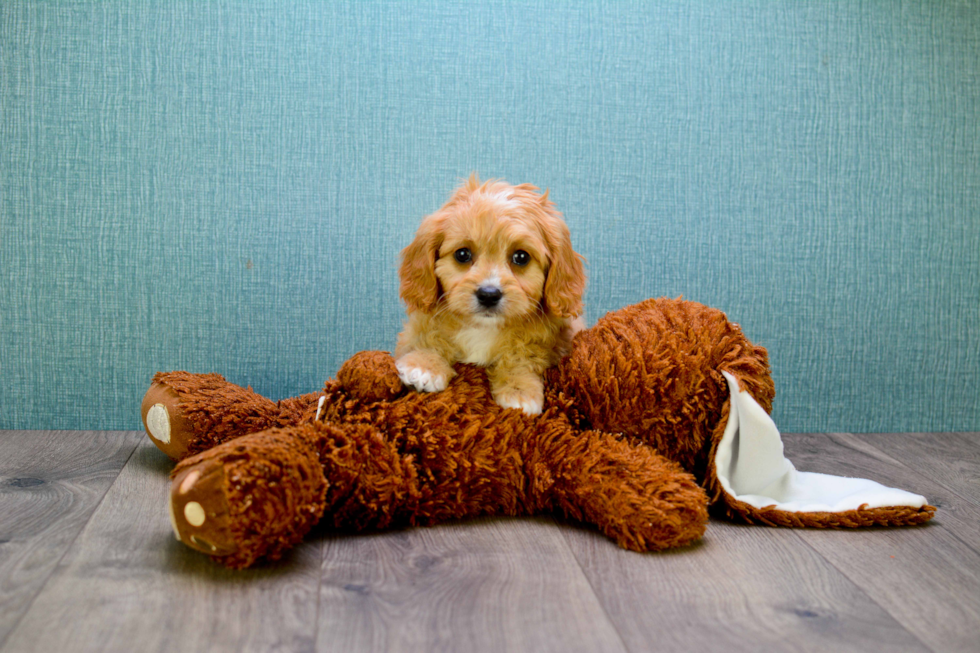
652, 371
627, 436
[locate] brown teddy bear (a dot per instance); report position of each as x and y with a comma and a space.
660, 410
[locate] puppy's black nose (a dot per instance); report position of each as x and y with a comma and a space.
488, 296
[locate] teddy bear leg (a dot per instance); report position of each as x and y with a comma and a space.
635, 496
250, 498
257, 496
186, 413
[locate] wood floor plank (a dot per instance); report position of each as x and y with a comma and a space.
486, 585
50, 484
126, 584
951, 459
119, 580
743, 588
927, 577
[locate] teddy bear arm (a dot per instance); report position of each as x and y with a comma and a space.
635, 496
186, 413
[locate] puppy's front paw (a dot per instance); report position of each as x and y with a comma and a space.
530, 401
423, 371
420, 379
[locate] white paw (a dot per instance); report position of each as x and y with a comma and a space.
420, 379
529, 405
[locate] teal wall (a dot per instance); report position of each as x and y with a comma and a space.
226, 187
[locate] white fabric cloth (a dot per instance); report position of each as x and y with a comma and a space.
751, 467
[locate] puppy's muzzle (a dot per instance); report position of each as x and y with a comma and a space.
488, 296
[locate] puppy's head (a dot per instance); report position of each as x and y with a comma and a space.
493, 252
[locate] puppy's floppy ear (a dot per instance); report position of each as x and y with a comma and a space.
565, 281
419, 285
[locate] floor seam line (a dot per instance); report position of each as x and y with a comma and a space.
592, 589
860, 589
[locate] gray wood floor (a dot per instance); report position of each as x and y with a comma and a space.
88, 563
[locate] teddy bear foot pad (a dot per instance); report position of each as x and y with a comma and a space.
164, 422
199, 509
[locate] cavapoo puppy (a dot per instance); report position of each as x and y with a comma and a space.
491, 279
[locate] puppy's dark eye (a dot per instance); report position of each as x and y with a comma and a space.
520, 258
463, 255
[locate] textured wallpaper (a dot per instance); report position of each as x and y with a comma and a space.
226, 186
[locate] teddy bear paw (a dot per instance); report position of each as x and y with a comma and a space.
163, 421
199, 510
